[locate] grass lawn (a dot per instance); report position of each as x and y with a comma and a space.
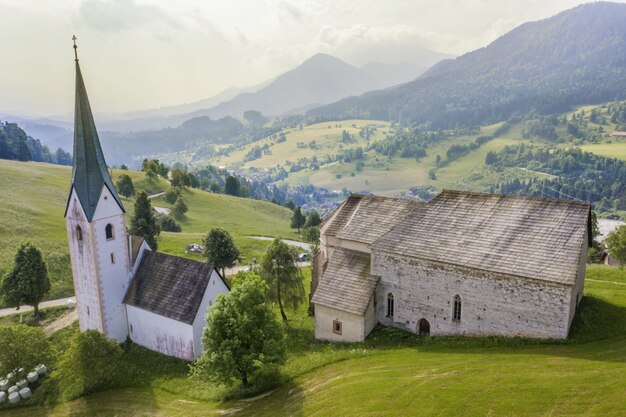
609, 150
33, 204
398, 374
47, 315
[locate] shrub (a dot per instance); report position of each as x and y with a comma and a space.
168, 224
90, 364
23, 346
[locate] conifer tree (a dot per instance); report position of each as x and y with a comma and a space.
28, 282
143, 222
297, 219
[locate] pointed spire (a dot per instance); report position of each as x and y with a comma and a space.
89, 172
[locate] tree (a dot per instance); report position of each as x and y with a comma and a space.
89, 364
297, 219
220, 249
180, 208
282, 275
313, 220
168, 224
179, 179
232, 186
290, 204
125, 185
312, 235
28, 282
241, 335
151, 168
616, 243
171, 194
143, 222
123, 167
23, 347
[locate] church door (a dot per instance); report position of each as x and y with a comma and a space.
423, 327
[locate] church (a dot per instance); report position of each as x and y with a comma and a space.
123, 288
464, 263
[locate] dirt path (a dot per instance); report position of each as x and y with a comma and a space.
65, 320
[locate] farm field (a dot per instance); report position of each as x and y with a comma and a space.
610, 150
397, 374
33, 204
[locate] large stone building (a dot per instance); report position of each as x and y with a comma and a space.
462, 264
123, 289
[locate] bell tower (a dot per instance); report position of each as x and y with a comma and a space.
96, 229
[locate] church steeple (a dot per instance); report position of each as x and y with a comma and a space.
89, 172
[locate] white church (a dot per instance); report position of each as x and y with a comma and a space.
123, 288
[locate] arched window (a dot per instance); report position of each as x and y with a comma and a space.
109, 231
457, 308
79, 233
390, 305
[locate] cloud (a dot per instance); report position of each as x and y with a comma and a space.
119, 15
291, 10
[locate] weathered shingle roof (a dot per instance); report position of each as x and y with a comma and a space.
522, 236
169, 286
346, 284
364, 218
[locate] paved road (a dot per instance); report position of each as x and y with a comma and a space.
45, 304
156, 195
61, 301
301, 245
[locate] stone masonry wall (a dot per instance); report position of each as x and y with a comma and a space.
492, 304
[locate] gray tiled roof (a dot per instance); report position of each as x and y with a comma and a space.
89, 169
364, 218
346, 284
522, 236
169, 286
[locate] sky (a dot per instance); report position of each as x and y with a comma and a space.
143, 54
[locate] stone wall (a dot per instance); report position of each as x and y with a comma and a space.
492, 304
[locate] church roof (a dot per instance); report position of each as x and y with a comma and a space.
89, 172
169, 286
497, 233
346, 284
365, 218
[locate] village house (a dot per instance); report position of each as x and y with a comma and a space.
124, 289
462, 264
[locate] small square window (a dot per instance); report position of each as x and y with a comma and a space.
337, 327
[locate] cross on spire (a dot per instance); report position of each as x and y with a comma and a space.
75, 48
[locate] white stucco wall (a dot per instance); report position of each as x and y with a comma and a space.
100, 283
353, 326
83, 261
492, 304
215, 288
161, 334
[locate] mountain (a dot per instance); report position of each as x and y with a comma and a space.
393, 74
576, 57
320, 79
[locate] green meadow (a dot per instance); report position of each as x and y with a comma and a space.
393, 374
32, 205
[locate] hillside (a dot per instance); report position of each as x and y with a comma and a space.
576, 57
394, 374
318, 80
35, 213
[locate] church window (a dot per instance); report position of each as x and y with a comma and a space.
112, 258
109, 231
88, 310
457, 308
390, 305
79, 233
337, 327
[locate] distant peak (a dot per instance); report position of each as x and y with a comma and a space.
322, 58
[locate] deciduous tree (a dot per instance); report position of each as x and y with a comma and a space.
23, 347
297, 219
282, 275
616, 242
125, 185
242, 334
220, 249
